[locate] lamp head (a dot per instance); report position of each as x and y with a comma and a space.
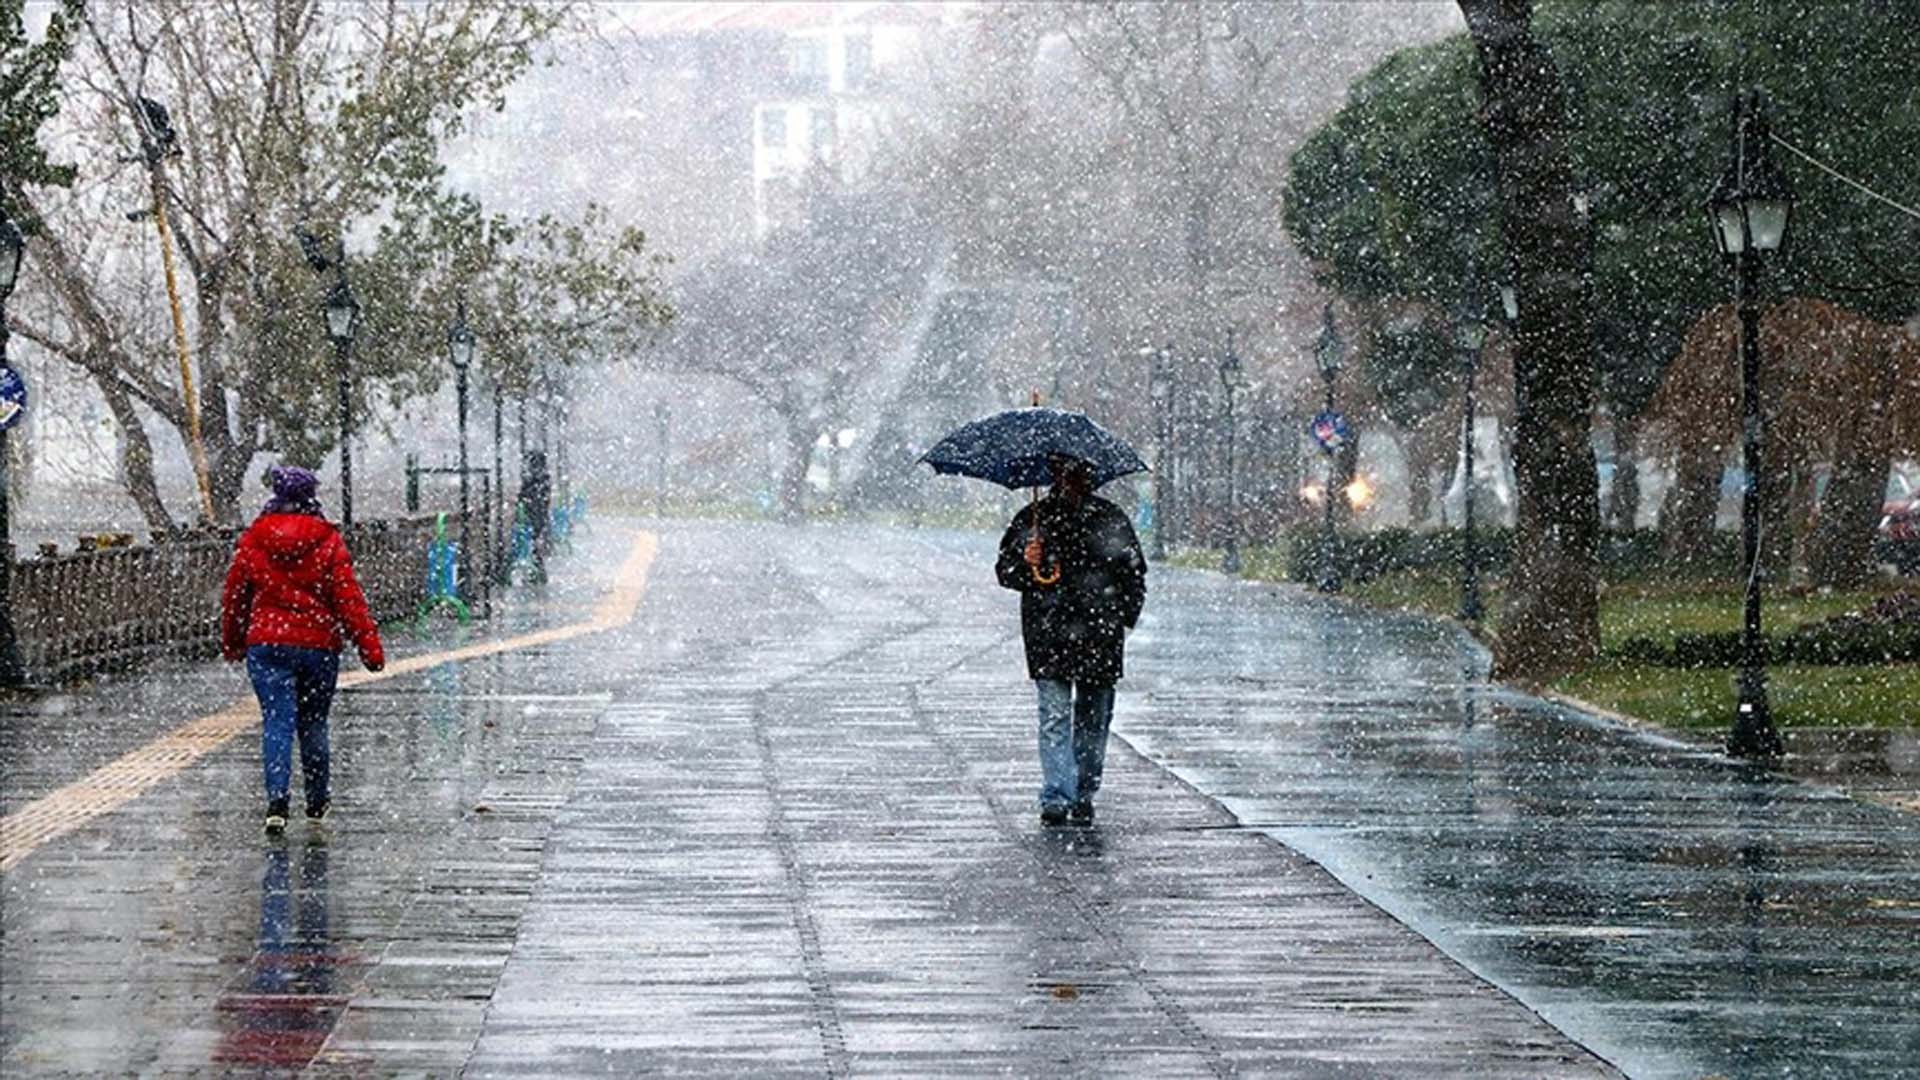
460, 340
343, 312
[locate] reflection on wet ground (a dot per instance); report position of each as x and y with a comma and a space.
1678, 913
1878, 764
282, 1006
170, 937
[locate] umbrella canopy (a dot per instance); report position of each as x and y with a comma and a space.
1011, 448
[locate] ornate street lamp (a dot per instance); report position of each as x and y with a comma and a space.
1230, 380
1749, 210
343, 320
1329, 353
13, 244
1469, 335
1160, 397
460, 353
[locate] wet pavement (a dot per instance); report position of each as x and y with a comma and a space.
1679, 914
782, 823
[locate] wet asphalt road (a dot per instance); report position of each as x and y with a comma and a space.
783, 824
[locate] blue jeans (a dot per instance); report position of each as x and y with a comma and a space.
295, 688
1073, 739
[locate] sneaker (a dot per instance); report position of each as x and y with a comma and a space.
1081, 813
318, 811
276, 815
1053, 815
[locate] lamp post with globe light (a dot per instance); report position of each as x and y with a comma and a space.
1749, 209
343, 320
1329, 353
1159, 394
460, 343
1230, 368
1469, 335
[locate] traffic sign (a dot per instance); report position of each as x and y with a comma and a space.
13, 397
1330, 430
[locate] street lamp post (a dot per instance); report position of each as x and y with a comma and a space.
13, 245
1470, 334
1159, 396
662, 416
1749, 209
497, 528
460, 352
1329, 351
1230, 380
343, 319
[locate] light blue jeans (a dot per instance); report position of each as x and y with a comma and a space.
1073, 739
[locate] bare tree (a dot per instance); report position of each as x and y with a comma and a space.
799, 325
293, 113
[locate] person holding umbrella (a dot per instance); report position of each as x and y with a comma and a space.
1076, 563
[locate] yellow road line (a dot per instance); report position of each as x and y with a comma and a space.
123, 779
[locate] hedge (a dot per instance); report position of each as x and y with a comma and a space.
1371, 554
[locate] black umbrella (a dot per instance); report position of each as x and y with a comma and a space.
1012, 448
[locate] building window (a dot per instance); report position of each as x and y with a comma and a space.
773, 128
859, 61
822, 133
807, 63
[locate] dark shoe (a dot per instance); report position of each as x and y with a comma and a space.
1081, 813
1053, 815
318, 811
276, 815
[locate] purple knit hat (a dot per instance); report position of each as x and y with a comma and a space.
293, 491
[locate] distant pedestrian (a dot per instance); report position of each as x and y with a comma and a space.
536, 509
290, 599
1076, 563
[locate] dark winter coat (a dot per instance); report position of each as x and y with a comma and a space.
292, 583
1076, 629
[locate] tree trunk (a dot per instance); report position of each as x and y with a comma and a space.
1419, 484
1842, 548
1687, 514
1551, 623
1624, 500
793, 480
136, 455
1842, 556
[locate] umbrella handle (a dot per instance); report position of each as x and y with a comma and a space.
1044, 577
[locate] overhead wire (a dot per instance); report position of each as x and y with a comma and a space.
1843, 177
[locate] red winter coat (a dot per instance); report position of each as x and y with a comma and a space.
292, 583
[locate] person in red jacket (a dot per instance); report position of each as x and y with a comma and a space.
290, 597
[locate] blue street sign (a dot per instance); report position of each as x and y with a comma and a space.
1330, 430
13, 397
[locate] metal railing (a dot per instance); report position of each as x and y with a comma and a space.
87, 612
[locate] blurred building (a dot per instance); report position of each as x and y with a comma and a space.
705, 121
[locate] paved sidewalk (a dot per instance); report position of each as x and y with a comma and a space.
780, 824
